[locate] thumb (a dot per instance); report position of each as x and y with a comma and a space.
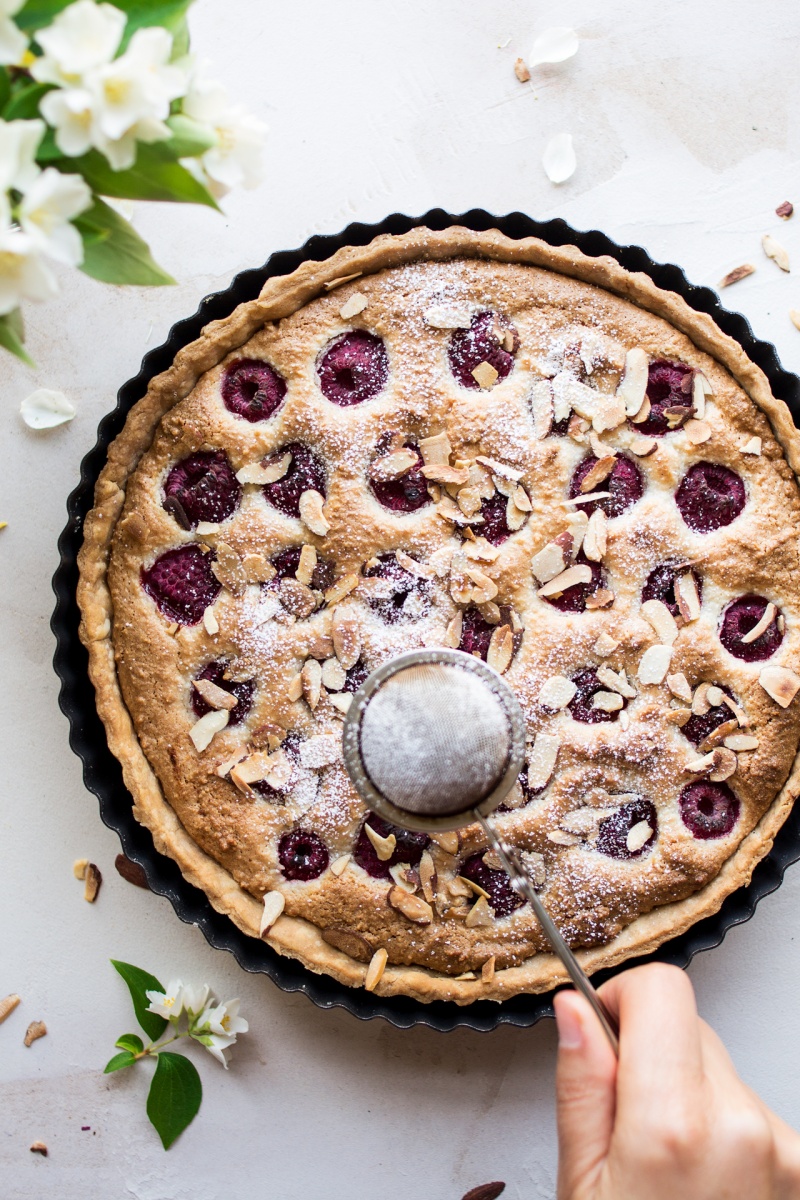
586, 1075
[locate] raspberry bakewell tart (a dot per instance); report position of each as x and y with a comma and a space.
454, 438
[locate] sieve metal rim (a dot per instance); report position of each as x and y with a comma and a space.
351, 734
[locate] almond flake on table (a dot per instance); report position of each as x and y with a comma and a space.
554, 45
45, 409
8, 1005
736, 274
521, 71
558, 160
36, 1030
352, 307
774, 250
794, 317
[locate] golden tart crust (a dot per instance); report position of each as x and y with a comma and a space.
224, 837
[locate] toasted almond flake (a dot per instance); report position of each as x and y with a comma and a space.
700, 389
312, 512
677, 716
480, 914
485, 375
780, 683
446, 841
501, 649
541, 401
595, 541
567, 579
492, 860
452, 637
584, 821
633, 385
320, 751
393, 466
549, 562
346, 635
473, 888
521, 71
413, 566
444, 473
461, 887
700, 701
295, 688
438, 316
600, 599
542, 759
311, 677
413, 908
269, 472
215, 696
717, 736
725, 764
514, 474
687, 597
354, 305
616, 681
483, 584
572, 540
522, 500
341, 701
677, 415
794, 317
307, 565
427, 876
204, 730
714, 696
605, 645
384, 846
8, 1005
767, 617
697, 432
661, 619
340, 864
624, 720
739, 713
576, 429
597, 473
228, 764
654, 664
678, 684
45, 409
643, 413
643, 447
404, 877
598, 447
752, 447
557, 692
785, 210
592, 496
607, 701
210, 622
335, 283
92, 883
638, 837
39, 1148
79, 868
333, 675
229, 569
741, 742
296, 598
274, 904
469, 501
700, 766
36, 1030
341, 588
559, 159
449, 511
515, 517
560, 838
488, 970
258, 568
206, 528
377, 965
736, 274
774, 250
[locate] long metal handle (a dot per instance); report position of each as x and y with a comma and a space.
523, 884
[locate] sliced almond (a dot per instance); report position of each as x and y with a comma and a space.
377, 965
404, 877
215, 696
473, 888
346, 634
393, 466
643, 447
678, 716
452, 637
522, 500
717, 736
485, 375
601, 598
307, 564
354, 305
638, 837
311, 678
607, 701
341, 588
258, 568
541, 401
725, 764
312, 512
446, 841
341, 701
767, 617
320, 751
534, 864
488, 970
204, 730
268, 472
633, 385
463, 888
557, 692
542, 759
210, 622
774, 250
700, 389
589, 499
739, 713
427, 876
92, 881
8, 1005
654, 664
605, 645
333, 675
36, 1030
503, 470
736, 274
661, 619
485, 588
480, 914
679, 686
567, 579
687, 597
599, 471
549, 562
384, 846
439, 316
780, 683
273, 768
595, 541
700, 766
584, 821
560, 837
340, 865
501, 649
80, 867
515, 517
740, 742
752, 447
697, 432
340, 279
616, 681
274, 904
206, 528
714, 695
468, 501
413, 908
677, 415
700, 702
296, 598
229, 569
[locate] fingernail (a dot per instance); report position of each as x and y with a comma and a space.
570, 1029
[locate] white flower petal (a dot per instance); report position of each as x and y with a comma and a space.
82, 37
13, 43
23, 273
19, 141
44, 409
554, 45
47, 210
559, 160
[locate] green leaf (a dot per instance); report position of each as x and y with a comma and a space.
5, 87
139, 982
169, 13
189, 138
156, 175
113, 251
24, 103
126, 1059
174, 1097
130, 1041
12, 335
38, 13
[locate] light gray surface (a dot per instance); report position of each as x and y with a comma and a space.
685, 117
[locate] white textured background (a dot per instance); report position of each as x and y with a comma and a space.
685, 118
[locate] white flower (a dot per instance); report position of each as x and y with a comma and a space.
46, 211
217, 1028
71, 113
23, 274
136, 89
82, 37
44, 409
236, 159
13, 42
195, 1000
167, 1004
19, 141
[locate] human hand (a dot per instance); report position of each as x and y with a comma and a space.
671, 1120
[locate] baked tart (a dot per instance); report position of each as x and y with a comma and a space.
454, 439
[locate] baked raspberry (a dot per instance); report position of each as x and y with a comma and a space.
494, 526
243, 690
409, 847
306, 473
612, 834
391, 608
503, 897
355, 676
580, 706
528, 792
708, 810
286, 563
625, 483
573, 599
252, 389
410, 491
710, 496
660, 585
669, 385
182, 583
484, 341
302, 854
738, 619
353, 368
698, 727
476, 633
202, 487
